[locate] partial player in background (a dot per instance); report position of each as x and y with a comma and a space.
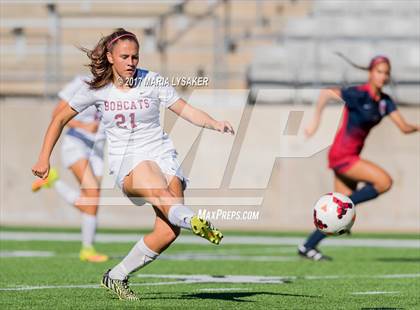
82, 153
141, 154
364, 108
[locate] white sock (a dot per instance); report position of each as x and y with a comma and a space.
68, 193
180, 216
88, 229
139, 256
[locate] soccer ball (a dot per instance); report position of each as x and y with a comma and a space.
334, 214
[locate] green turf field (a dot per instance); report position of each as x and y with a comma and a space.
202, 276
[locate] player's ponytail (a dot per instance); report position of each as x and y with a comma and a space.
100, 67
373, 62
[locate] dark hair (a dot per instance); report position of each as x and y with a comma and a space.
373, 62
100, 67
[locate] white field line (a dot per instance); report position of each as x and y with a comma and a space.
260, 240
212, 257
26, 254
185, 256
222, 289
254, 279
374, 293
31, 288
205, 279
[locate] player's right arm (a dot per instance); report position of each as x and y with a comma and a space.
80, 101
42, 167
66, 95
91, 127
325, 96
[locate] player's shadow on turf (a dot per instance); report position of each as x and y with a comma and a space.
399, 259
236, 296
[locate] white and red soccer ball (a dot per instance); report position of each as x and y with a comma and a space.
334, 214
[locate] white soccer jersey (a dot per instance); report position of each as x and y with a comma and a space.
89, 115
131, 118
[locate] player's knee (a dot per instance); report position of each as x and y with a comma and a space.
88, 200
91, 210
384, 185
91, 192
163, 197
388, 184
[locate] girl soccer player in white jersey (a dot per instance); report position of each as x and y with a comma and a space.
82, 153
141, 155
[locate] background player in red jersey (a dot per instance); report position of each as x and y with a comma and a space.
365, 106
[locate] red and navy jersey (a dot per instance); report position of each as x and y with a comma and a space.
362, 111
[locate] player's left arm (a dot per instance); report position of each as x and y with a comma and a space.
199, 117
401, 123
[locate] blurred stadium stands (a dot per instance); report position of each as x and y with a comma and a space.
236, 43
367, 8
189, 38
303, 55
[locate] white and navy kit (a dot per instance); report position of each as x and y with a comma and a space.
131, 119
78, 143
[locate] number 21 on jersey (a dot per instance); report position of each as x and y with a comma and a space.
120, 120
